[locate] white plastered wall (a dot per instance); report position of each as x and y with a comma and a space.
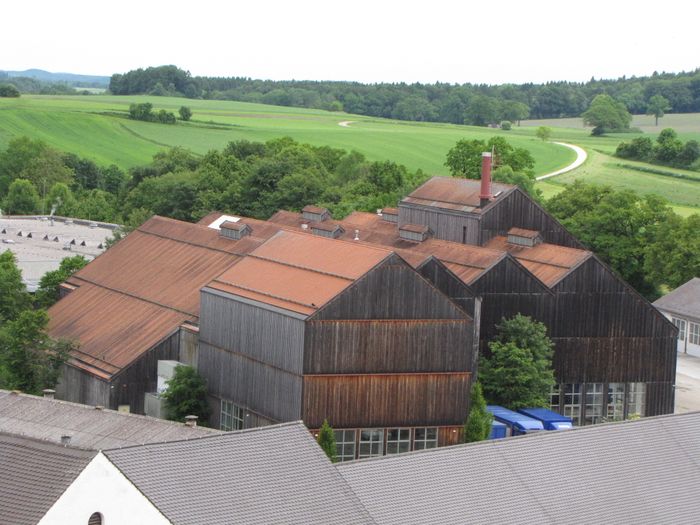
102, 488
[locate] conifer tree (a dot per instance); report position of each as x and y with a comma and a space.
326, 440
477, 427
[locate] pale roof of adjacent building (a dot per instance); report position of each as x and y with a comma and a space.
89, 428
34, 475
684, 300
276, 474
637, 472
37, 255
299, 272
453, 193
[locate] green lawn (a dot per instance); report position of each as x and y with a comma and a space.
87, 125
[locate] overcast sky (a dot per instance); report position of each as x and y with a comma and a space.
368, 41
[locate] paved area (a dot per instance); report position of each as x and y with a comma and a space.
581, 157
687, 383
50, 243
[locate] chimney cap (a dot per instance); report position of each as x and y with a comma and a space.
191, 420
486, 154
65, 440
49, 393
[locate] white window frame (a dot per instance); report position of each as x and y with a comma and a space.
680, 323
636, 398
346, 446
615, 402
375, 443
593, 402
425, 442
573, 409
404, 438
231, 416
694, 333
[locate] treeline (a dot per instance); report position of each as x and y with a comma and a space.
667, 150
36, 87
467, 103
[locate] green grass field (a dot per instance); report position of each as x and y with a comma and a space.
87, 126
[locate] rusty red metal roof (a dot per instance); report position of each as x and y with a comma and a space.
299, 272
415, 228
548, 262
314, 209
522, 232
453, 193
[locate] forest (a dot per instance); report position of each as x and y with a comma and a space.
477, 104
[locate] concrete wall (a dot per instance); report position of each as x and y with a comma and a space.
102, 488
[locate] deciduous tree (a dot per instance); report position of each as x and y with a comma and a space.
657, 106
185, 395
48, 291
606, 114
22, 198
544, 133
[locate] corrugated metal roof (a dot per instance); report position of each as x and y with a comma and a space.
453, 193
274, 474
548, 262
89, 428
299, 272
522, 232
684, 300
641, 472
34, 475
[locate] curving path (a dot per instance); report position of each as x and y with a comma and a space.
581, 157
345, 123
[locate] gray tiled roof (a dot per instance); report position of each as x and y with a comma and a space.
89, 428
274, 474
645, 471
684, 300
33, 475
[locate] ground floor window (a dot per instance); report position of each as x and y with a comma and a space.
345, 444
636, 397
694, 333
555, 398
616, 402
591, 403
594, 403
398, 440
371, 442
572, 402
232, 416
425, 438
680, 323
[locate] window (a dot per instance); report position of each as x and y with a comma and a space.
680, 323
425, 438
594, 403
616, 402
95, 519
371, 442
232, 416
554, 398
694, 333
398, 440
345, 444
572, 402
636, 397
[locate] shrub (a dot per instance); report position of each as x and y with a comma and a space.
506, 125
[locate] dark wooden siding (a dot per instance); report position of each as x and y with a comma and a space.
267, 390
365, 401
132, 383
78, 386
450, 285
393, 290
445, 224
516, 209
368, 346
262, 334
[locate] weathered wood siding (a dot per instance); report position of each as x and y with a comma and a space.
516, 209
445, 224
252, 419
380, 346
269, 391
255, 331
78, 386
450, 285
365, 401
393, 290
189, 344
132, 383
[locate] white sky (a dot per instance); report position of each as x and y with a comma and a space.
368, 41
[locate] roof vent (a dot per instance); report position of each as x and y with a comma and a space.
414, 232
191, 421
304, 226
390, 214
315, 213
29, 235
327, 229
357, 235
19, 233
234, 230
65, 440
49, 393
523, 237
68, 221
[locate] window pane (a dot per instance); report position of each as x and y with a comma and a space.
636, 397
616, 402
680, 323
398, 440
344, 445
425, 438
572, 402
554, 396
694, 333
594, 403
225, 419
371, 442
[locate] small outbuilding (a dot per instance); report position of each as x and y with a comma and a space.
682, 307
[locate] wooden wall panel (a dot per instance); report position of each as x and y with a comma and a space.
78, 386
446, 225
357, 401
368, 346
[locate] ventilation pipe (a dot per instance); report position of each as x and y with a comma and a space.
191, 421
49, 393
485, 196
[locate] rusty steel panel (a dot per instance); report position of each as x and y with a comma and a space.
354, 401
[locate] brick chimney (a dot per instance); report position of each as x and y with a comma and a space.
486, 195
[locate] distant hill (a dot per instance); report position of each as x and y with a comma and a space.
70, 78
